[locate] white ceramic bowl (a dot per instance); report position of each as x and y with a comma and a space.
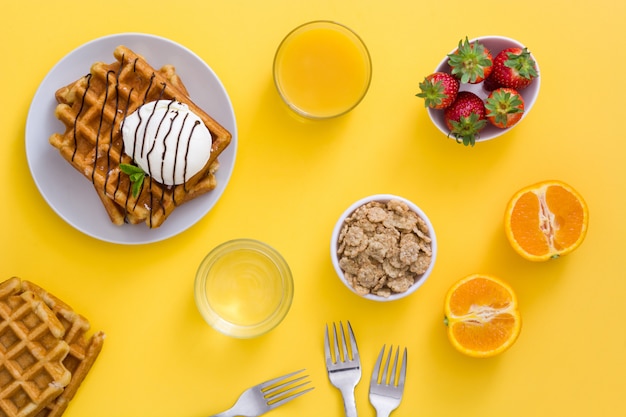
335, 237
495, 44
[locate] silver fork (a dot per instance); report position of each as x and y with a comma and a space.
343, 364
268, 395
386, 390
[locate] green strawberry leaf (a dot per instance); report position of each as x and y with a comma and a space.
522, 63
136, 176
469, 61
467, 128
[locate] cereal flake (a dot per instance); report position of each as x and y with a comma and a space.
384, 248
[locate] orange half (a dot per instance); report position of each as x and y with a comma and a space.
482, 316
546, 220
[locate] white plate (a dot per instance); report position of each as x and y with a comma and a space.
72, 196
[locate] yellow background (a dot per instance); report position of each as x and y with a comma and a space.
291, 182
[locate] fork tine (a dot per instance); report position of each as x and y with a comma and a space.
386, 377
385, 380
283, 389
284, 400
327, 354
274, 381
353, 347
402, 370
386, 395
376, 371
278, 389
392, 378
342, 348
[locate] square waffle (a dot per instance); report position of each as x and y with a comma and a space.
74, 355
92, 109
32, 350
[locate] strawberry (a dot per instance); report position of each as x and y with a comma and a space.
505, 107
514, 68
465, 117
471, 62
490, 84
438, 90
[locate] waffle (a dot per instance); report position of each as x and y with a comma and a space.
32, 351
70, 329
92, 109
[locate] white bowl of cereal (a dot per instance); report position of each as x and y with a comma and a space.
383, 247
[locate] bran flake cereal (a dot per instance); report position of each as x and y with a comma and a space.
384, 248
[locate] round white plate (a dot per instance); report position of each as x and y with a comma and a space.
68, 192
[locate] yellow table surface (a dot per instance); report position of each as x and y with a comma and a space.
291, 182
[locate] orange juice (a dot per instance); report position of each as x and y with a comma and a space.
322, 69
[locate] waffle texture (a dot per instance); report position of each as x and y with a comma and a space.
45, 353
93, 108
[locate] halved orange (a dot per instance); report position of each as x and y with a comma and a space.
546, 220
482, 316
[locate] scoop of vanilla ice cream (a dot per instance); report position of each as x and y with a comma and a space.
167, 140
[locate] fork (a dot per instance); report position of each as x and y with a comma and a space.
268, 395
386, 395
343, 365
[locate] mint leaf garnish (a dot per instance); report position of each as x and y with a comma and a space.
136, 176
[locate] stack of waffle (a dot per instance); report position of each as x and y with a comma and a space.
92, 109
45, 353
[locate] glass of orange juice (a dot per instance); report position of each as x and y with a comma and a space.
322, 69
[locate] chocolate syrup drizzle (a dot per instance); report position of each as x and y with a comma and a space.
80, 110
166, 135
196, 124
162, 123
129, 188
96, 150
111, 136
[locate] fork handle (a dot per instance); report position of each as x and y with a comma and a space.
384, 411
227, 413
349, 402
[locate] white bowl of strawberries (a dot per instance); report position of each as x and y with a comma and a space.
481, 89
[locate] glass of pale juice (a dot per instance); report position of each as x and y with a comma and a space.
243, 288
322, 69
